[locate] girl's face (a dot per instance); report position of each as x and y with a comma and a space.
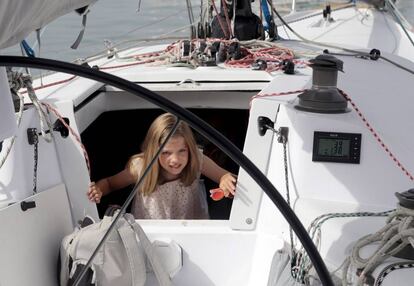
174, 157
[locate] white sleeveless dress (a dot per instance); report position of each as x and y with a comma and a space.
172, 200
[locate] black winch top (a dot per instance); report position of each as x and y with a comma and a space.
324, 96
327, 61
406, 199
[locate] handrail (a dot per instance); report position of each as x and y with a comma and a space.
200, 126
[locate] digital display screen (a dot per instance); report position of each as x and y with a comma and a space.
334, 147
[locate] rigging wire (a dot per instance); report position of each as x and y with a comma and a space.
312, 14
205, 12
226, 15
161, 37
219, 20
351, 51
307, 40
191, 18
160, 20
397, 15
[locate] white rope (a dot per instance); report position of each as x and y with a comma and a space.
391, 239
204, 11
162, 37
190, 12
302, 264
19, 120
42, 115
173, 55
19, 80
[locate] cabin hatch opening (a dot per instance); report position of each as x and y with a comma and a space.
117, 135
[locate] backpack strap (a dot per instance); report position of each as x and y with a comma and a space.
111, 210
161, 274
135, 255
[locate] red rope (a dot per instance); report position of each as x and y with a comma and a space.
364, 120
127, 65
376, 136
273, 95
219, 20
51, 84
151, 54
227, 17
272, 54
74, 134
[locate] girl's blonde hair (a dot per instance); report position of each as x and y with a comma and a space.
156, 135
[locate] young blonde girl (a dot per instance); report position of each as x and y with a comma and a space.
170, 189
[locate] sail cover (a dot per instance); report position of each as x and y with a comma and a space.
18, 18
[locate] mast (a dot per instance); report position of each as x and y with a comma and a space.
235, 19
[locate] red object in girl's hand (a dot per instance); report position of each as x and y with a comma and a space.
216, 194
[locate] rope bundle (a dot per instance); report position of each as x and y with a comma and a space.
201, 51
397, 234
301, 264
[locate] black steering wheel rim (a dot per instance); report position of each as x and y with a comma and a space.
197, 124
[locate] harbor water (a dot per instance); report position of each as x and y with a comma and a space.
128, 20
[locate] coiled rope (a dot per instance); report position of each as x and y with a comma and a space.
301, 264
397, 233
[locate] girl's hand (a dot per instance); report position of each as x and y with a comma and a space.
228, 184
94, 193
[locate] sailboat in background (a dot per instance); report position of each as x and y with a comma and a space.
318, 100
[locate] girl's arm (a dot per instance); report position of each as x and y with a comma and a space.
225, 179
109, 184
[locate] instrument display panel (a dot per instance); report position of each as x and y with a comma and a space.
336, 147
